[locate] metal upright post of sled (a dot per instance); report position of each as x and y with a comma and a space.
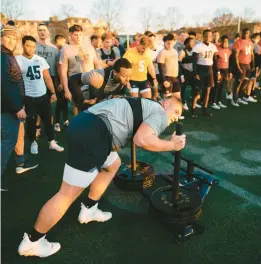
177, 162
136, 175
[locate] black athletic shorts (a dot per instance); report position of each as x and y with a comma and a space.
140, 85
189, 77
246, 72
174, 85
224, 73
206, 76
89, 142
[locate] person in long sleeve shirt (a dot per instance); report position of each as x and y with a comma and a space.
12, 93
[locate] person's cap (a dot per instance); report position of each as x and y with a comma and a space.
8, 30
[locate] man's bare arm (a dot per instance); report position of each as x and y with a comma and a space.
146, 138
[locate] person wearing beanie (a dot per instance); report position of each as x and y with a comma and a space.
12, 107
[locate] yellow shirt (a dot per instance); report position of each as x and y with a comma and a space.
139, 64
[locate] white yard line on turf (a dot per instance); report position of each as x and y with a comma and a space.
242, 193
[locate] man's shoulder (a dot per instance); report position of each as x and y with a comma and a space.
66, 48
37, 58
19, 57
115, 49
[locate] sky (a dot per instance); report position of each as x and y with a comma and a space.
131, 20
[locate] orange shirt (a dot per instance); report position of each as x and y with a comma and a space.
245, 48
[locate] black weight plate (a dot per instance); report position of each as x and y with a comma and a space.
144, 175
187, 209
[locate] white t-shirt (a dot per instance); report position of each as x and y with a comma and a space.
32, 72
154, 54
205, 53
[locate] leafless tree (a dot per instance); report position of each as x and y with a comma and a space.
68, 11
249, 15
12, 9
173, 17
222, 17
109, 11
146, 15
160, 21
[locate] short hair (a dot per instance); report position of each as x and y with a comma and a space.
168, 37
27, 37
122, 63
192, 33
75, 28
93, 37
206, 31
216, 31
182, 32
107, 36
58, 37
137, 35
224, 37
187, 40
255, 35
10, 22
244, 30
145, 41
42, 24
149, 34
237, 35
175, 100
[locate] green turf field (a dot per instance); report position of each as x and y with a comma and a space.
229, 143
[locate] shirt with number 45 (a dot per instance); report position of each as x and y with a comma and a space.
32, 72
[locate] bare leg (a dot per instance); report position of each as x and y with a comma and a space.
75, 110
206, 97
56, 207
251, 85
102, 181
194, 102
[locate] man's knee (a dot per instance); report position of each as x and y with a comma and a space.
70, 192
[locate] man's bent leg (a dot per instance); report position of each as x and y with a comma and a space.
103, 179
90, 211
56, 207
50, 214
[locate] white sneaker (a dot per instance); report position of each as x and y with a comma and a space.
241, 101
181, 117
198, 106
93, 214
185, 107
54, 146
215, 106
221, 105
40, 248
234, 103
57, 127
250, 99
34, 148
229, 96
66, 123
